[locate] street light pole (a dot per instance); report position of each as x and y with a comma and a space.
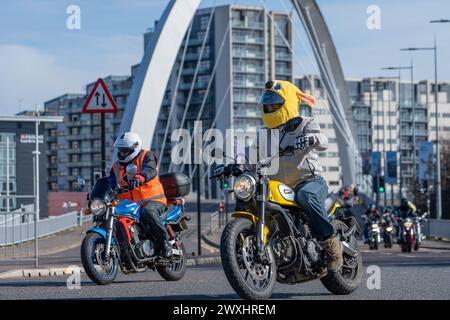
400, 124
438, 153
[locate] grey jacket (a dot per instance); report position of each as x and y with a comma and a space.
306, 141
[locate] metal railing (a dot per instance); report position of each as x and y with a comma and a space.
438, 228
214, 222
20, 231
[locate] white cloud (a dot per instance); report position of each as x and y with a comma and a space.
35, 76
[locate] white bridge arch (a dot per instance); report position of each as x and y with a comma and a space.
147, 92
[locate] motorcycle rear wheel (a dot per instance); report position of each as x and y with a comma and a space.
347, 279
176, 270
236, 251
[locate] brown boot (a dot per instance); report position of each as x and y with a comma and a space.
333, 249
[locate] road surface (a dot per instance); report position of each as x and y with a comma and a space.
421, 275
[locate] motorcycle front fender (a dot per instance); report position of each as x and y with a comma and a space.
101, 232
254, 219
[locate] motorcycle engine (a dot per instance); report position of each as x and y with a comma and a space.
312, 251
145, 249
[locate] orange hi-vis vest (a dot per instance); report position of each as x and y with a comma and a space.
151, 190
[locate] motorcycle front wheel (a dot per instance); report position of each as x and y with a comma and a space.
100, 270
249, 277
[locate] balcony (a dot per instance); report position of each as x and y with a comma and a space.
83, 150
283, 56
248, 69
248, 84
362, 117
84, 123
248, 54
247, 24
85, 136
82, 164
198, 85
245, 98
191, 71
283, 71
248, 39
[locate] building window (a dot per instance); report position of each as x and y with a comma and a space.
204, 20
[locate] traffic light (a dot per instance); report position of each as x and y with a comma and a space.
381, 185
226, 185
375, 184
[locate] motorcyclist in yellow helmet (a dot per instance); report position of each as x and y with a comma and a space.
300, 169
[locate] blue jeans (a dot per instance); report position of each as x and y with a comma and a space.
311, 196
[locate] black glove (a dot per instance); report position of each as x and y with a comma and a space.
138, 180
304, 142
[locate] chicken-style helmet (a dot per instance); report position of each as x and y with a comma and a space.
280, 102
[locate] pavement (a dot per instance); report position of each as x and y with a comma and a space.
420, 275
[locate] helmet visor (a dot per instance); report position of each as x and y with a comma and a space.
122, 153
270, 98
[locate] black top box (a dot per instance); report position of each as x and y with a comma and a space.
175, 184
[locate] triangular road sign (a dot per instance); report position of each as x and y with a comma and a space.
100, 100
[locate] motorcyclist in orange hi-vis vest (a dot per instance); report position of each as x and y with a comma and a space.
146, 188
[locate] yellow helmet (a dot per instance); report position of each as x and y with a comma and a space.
280, 102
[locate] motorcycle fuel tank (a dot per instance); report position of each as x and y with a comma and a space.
128, 208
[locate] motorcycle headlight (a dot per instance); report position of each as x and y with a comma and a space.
375, 225
244, 187
97, 207
389, 229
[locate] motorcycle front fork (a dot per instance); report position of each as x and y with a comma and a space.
109, 233
261, 218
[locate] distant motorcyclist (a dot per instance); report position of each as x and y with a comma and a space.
388, 216
407, 209
371, 214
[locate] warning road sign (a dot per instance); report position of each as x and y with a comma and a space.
100, 100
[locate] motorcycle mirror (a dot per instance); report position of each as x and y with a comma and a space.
348, 205
131, 171
81, 182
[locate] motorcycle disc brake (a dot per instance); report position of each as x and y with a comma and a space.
257, 270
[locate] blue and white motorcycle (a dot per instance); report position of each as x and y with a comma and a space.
118, 240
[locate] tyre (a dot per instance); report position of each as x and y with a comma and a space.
375, 244
99, 270
347, 279
408, 244
249, 278
176, 270
387, 240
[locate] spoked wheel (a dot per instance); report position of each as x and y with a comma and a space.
348, 277
99, 269
250, 277
176, 270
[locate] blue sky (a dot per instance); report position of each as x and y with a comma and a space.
41, 59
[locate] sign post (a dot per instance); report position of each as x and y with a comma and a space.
100, 101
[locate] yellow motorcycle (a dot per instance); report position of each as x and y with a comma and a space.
270, 238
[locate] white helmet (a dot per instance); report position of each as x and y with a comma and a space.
128, 146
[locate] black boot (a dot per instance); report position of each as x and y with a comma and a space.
166, 249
